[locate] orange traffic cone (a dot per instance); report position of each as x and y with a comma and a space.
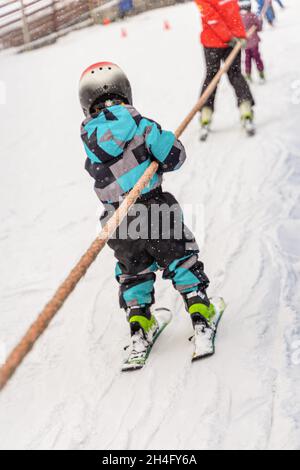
124, 33
106, 21
167, 25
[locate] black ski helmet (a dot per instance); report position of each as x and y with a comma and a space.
103, 80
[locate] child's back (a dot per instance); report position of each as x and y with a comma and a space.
120, 145
250, 19
252, 49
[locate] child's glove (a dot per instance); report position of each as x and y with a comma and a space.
234, 41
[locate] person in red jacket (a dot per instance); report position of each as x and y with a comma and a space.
222, 29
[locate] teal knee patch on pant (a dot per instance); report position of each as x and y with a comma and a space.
140, 294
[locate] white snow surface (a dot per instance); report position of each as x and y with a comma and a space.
69, 392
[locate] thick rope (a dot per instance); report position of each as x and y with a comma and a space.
16, 357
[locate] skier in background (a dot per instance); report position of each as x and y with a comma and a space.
125, 7
252, 52
222, 30
120, 145
270, 13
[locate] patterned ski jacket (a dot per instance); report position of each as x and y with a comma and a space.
250, 19
120, 145
221, 22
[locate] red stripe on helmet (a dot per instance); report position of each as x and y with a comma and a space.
96, 66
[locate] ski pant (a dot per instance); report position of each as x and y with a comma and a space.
214, 58
270, 15
253, 54
168, 246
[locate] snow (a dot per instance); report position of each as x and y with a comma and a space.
69, 392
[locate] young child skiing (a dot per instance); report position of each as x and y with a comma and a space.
222, 29
252, 52
120, 145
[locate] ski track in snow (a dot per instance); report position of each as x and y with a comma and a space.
69, 392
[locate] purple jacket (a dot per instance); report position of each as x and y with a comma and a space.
249, 20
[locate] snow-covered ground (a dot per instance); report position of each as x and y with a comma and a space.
69, 393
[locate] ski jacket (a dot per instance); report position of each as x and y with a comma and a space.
270, 14
221, 22
249, 20
120, 145
125, 5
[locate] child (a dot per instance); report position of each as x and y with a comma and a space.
222, 29
120, 145
252, 49
269, 12
125, 8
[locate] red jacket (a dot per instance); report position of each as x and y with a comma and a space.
221, 21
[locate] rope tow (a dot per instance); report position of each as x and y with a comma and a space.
21, 350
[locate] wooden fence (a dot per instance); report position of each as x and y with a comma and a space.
26, 24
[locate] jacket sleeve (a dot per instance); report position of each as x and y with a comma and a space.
262, 4
90, 168
164, 147
214, 20
257, 22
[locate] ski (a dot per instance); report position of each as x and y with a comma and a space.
204, 133
249, 127
140, 348
204, 336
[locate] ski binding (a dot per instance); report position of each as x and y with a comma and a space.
205, 335
249, 127
140, 348
204, 132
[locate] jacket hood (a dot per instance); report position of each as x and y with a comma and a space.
114, 127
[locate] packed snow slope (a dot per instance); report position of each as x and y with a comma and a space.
69, 392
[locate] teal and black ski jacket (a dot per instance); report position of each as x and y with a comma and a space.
120, 145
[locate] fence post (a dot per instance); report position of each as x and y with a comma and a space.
26, 33
55, 25
92, 12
